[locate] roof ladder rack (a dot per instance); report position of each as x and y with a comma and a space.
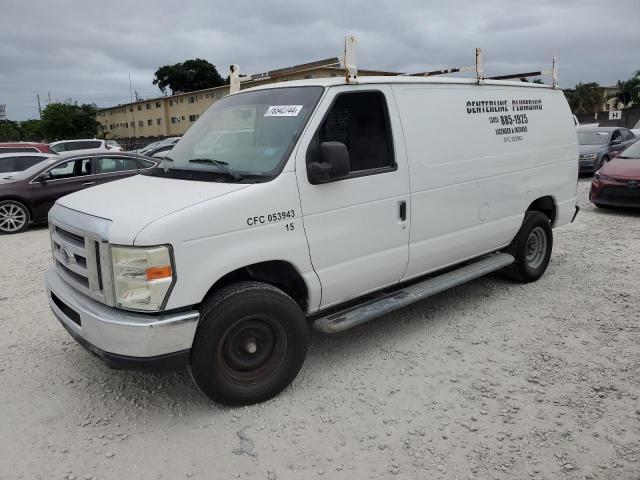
349, 59
553, 72
479, 70
234, 79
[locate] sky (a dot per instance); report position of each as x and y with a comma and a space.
85, 50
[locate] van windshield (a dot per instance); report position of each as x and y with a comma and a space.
242, 136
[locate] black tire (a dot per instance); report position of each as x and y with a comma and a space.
527, 267
14, 217
250, 344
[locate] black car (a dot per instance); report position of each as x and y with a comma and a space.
27, 196
597, 144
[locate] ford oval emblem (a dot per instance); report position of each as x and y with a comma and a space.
67, 256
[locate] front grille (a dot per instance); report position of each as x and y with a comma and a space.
79, 259
622, 195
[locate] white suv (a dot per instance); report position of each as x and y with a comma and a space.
89, 145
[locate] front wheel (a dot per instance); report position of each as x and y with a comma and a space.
531, 249
251, 343
14, 217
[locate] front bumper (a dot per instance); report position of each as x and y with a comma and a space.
614, 193
119, 336
587, 165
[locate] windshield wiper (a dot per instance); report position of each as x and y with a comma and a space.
223, 166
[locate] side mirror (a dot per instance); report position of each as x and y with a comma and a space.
335, 163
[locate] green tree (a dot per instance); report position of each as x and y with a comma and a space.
585, 97
68, 120
628, 94
31, 130
190, 75
9, 131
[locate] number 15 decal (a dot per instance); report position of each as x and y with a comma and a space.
290, 227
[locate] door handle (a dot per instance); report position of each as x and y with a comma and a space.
86, 184
403, 210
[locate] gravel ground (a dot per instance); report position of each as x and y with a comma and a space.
489, 380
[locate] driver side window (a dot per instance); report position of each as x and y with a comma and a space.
361, 122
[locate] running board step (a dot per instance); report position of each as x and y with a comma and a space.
345, 319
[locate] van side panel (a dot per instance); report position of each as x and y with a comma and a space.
478, 157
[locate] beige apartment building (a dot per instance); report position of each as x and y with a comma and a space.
172, 115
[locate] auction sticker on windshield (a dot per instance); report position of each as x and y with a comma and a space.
283, 111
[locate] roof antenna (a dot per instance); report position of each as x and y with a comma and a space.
234, 79
554, 73
479, 67
350, 64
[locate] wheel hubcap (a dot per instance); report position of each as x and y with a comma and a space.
252, 349
12, 218
536, 247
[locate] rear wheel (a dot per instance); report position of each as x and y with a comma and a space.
14, 217
531, 248
250, 344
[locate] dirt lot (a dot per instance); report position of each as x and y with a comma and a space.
490, 380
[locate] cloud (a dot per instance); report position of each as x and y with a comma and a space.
77, 49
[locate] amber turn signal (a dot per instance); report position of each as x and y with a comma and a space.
156, 273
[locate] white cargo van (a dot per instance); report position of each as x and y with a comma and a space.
337, 203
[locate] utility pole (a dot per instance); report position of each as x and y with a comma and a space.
133, 118
39, 107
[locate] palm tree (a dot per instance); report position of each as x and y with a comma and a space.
585, 97
628, 93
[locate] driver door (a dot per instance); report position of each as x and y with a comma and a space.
357, 226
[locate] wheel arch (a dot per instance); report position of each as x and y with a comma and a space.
547, 206
279, 273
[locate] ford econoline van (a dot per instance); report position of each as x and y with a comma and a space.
335, 203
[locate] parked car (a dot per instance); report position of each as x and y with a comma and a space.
113, 146
597, 144
349, 201
25, 147
141, 151
89, 145
27, 196
584, 125
160, 151
155, 145
618, 182
17, 162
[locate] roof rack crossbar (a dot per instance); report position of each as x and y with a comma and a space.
479, 69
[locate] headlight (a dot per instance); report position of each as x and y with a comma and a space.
599, 176
588, 156
142, 276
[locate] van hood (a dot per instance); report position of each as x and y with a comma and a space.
132, 203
